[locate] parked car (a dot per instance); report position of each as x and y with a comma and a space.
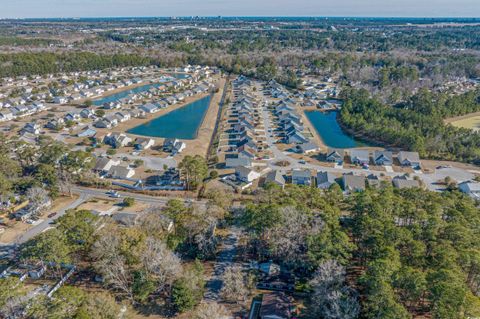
52, 215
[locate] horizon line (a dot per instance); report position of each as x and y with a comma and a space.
244, 16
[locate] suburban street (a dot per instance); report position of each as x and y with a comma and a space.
430, 179
84, 195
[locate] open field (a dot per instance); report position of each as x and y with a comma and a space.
471, 122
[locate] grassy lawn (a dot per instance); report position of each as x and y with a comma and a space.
472, 122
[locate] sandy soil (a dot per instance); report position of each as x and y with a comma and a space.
310, 129
104, 205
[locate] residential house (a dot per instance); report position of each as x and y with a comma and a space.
402, 182
87, 132
246, 174
301, 177
275, 305
137, 113
32, 128
87, 113
307, 148
122, 116
143, 143
470, 188
409, 159
55, 124
117, 140
60, 100
149, 108
275, 177
111, 119
360, 157
353, 183
104, 164
6, 115
373, 181
102, 123
121, 172
335, 155
71, 117
232, 162
383, 158
325, 180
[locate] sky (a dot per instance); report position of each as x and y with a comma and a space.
166, 8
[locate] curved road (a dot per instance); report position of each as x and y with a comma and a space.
85, 195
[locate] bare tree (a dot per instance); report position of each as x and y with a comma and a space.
154, 222
37, 196
332, 298
160, 262
210, 310
111, 264
288, 240
234, 285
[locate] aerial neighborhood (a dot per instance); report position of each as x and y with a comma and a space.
239, 167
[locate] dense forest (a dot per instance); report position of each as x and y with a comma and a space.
417, 124
16, 64
379, 254
382, 253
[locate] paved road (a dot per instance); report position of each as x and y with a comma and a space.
85, 195
37, 229
225, 257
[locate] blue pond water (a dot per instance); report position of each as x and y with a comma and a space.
325, 123
182, 123
139, 89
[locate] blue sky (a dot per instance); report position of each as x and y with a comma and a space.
119, 8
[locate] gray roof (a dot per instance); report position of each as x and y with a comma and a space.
301, 173
360, 154
412, 157
309, 146
275, 177
385, 154
405, 183
334, 151
353, 182
324, 177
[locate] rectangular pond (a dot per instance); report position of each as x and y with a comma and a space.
326, 125
182, 123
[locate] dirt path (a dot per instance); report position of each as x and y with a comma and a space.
225, 258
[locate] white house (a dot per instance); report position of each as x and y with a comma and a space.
121, 172
149, 108
246, 174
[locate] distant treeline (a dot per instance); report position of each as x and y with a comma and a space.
45, 63
417, 124
17, 41
360, 40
